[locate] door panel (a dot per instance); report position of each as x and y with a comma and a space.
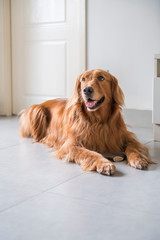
44, 11
49, 56
48, 49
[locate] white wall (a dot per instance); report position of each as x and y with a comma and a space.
123, 36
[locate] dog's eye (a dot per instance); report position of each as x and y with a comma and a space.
83, 79
100, 78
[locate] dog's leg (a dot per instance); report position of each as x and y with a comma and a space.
137, 154
88, 160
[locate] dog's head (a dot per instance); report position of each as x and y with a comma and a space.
95, 88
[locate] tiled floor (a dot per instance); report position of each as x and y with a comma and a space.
42, 198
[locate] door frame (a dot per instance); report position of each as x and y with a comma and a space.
6, 50
5, 58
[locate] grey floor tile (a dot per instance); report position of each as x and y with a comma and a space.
50, 216
27, 169
129, 187
9, 132
44, 198
138, 118
144, 134
154, 148
134, 190
139, 122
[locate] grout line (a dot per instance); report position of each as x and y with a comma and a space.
100, 203
78, 198
2, 148
37, 194
21, 143
148, 142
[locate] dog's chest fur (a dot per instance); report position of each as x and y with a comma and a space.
99, 137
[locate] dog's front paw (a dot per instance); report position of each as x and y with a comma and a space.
136, 161
106, 167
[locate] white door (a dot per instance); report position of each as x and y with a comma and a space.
48, 49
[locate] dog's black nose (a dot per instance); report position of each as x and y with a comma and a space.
88, 91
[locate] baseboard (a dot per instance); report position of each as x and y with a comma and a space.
138, 118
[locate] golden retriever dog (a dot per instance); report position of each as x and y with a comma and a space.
88, 124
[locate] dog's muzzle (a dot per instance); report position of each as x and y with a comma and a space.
88, 91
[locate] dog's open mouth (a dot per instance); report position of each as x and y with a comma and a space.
92, 104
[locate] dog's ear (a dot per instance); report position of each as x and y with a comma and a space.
76, 96
117, 94
77, 89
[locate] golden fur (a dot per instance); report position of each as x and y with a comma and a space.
79, 134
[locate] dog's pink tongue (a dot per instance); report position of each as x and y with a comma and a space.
90, 104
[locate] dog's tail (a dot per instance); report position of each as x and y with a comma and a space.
34, 122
